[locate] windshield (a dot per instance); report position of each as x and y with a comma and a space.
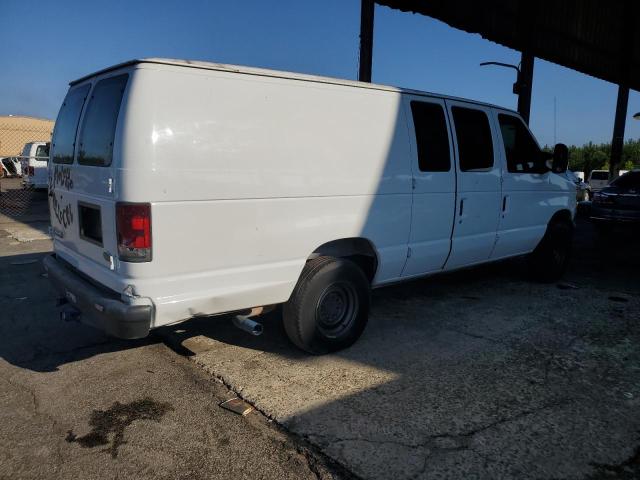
599, 175
628, 180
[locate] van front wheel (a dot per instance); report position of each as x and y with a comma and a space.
549, 260
329, 307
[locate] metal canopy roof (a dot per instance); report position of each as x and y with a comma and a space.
596, 37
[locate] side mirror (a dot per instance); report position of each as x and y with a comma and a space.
560, 158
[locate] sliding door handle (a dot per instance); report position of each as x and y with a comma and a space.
461, 207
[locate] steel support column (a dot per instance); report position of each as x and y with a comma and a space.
367, 8
617, 142
525, 82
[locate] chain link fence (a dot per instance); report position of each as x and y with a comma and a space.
24, 155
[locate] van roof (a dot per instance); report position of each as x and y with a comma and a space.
276, 74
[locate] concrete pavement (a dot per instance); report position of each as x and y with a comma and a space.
76, 404
480, 374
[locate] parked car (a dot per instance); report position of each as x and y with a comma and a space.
34, 159
583, 191
598, 179
619, 203
291, 189
11, 166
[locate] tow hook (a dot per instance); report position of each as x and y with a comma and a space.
244, 322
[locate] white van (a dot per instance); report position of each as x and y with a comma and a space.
34, 161
182, 189
598, 179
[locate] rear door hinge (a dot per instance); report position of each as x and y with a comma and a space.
413, 183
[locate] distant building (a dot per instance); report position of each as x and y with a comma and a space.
17, 130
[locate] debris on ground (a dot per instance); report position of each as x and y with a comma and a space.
237, 405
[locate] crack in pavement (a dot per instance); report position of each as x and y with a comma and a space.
433, 443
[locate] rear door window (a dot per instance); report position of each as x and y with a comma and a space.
64, 134
99, 123
432, 137
42, 152
475, 145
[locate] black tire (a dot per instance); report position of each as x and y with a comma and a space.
549, 260
329, 307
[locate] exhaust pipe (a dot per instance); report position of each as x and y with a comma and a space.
69, 314
243, 322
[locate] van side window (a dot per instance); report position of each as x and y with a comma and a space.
64, 134
42, 152
99, 123
522, 152
432, 137
475, 145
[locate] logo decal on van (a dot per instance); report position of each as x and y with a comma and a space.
61, 177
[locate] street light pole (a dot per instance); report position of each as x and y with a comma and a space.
522, 85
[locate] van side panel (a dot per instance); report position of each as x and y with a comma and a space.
247, 175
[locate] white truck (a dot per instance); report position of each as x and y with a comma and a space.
34, 162
182, 189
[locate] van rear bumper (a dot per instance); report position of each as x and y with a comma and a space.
100, 308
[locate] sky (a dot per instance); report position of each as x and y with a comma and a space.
46, 44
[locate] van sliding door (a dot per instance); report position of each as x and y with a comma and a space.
433, 185
478, 184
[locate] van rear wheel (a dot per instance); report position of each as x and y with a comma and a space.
329, 307
549, 260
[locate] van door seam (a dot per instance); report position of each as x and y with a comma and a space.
454, 164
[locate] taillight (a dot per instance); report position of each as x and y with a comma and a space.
133, 227
31, 171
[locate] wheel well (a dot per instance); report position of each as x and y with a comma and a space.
359, 250
562, 216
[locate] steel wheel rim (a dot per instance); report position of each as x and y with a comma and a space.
336, 309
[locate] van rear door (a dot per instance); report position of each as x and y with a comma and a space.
81, 174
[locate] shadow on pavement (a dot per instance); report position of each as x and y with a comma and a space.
32, 336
